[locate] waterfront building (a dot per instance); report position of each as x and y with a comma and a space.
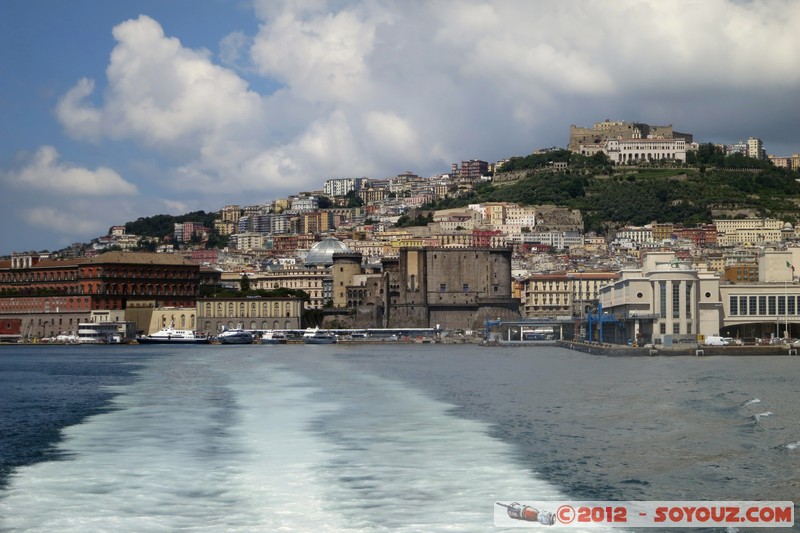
52, 297
452, 288
562, 294
253, 313
316, 282
546, 296
665, 299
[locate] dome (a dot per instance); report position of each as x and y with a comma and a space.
788, 226
321, 254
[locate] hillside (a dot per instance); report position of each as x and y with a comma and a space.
617, 196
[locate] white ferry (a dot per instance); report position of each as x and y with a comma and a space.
319, 336
170, 335
236, 336
274, 337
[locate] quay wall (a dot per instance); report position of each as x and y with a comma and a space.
617, 350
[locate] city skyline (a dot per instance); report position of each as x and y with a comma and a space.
115, 111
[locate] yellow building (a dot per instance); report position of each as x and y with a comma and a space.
311, 280
250, 313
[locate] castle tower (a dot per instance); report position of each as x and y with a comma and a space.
346, 265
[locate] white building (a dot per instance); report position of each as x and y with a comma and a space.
635, 234
666, 297
632, 151
304, 203
755, 148
732, 232
342, 186
248, 241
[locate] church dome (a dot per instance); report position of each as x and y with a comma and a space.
321, 254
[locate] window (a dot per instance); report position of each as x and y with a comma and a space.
663, 328
466, 287
676, 300
676, 328
688, 299
753, 308
442, 287
662, 289
772, 309
734, 304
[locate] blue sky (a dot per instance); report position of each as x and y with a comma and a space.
110, 111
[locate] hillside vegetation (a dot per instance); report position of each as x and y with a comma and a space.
616, 196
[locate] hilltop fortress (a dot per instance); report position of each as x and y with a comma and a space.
629, 142
619, 129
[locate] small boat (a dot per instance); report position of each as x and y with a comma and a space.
236, 336
318, 336
170, 335
274, 337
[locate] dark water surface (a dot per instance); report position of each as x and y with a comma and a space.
247, 438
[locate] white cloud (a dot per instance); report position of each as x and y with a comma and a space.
374, 88
45, 173
391, 133
65, 222
82, 121
231, 48
321, 58
161, 94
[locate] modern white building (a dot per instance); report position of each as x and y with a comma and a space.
664, 300
342, 186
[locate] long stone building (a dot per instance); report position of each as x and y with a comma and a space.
621, 130
452, 288
52, 297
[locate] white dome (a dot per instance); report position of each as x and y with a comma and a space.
321, 254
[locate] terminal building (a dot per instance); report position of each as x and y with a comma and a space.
667, 300
664, 300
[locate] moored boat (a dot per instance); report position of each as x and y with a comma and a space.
236, 336
274, 337
319, 336
170, 335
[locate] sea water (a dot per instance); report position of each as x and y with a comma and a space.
377, 437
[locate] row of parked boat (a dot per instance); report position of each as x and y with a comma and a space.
169, 335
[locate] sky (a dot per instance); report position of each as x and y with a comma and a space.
112, 111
